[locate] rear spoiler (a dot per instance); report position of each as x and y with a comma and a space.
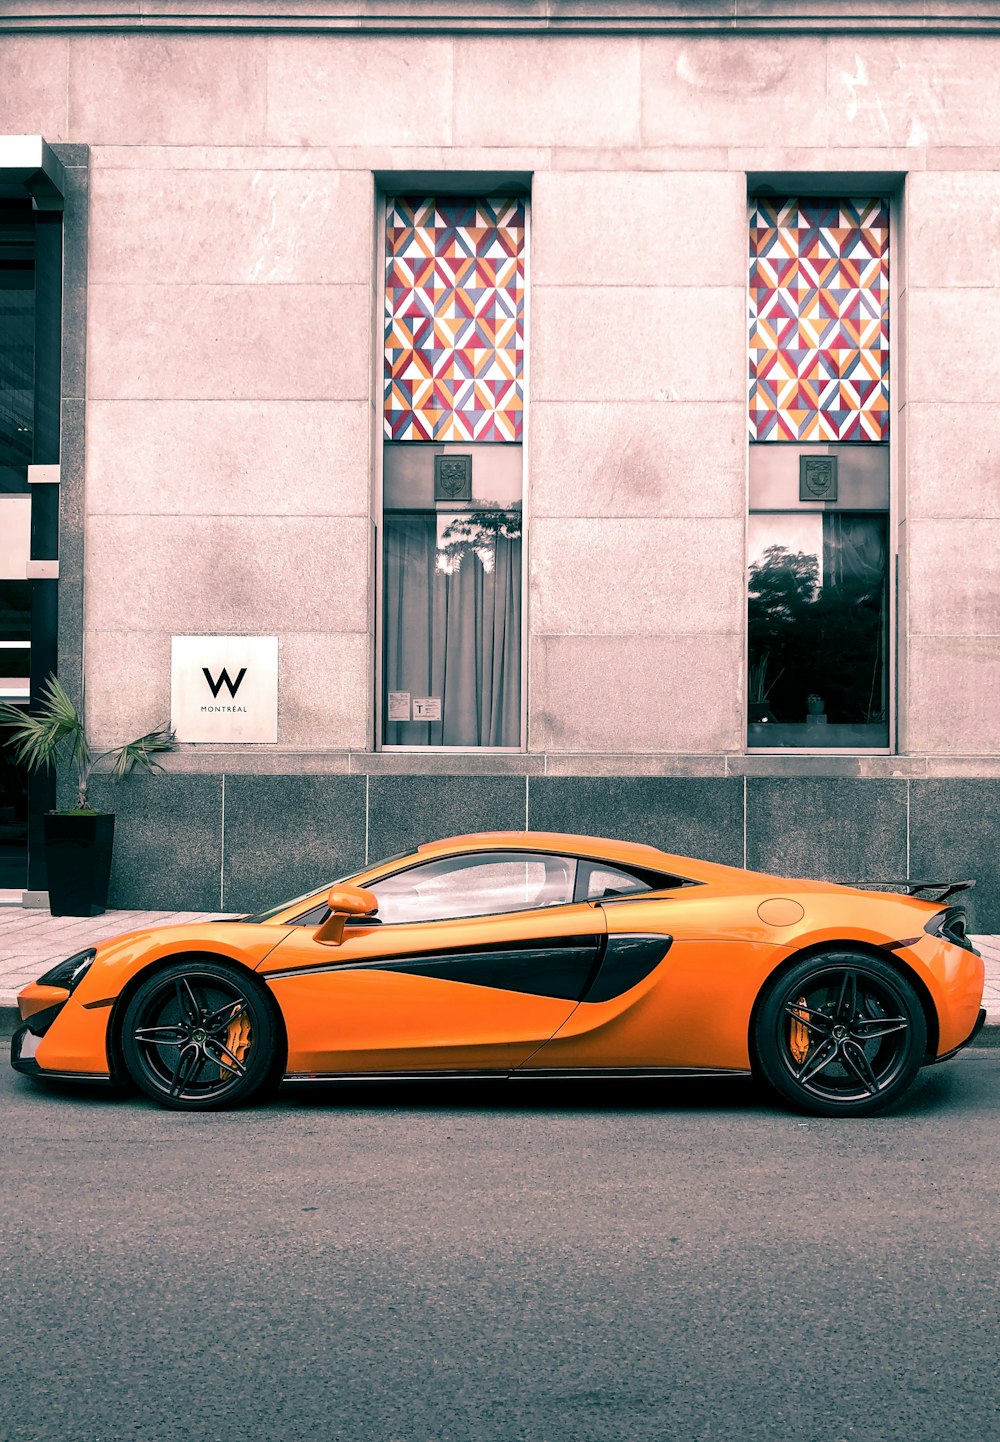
935, 890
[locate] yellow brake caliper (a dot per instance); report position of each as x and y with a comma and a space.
798, 1035
237, 1041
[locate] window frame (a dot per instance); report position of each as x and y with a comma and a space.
443, 188
818, 186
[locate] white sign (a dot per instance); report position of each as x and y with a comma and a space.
224, 688
427, 708
399, 705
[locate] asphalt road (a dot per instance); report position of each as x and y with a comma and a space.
538, 1262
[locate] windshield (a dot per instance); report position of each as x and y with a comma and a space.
316, 893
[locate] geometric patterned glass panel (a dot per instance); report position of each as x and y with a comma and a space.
454, 319
819, 320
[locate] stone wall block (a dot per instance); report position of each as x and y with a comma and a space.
635, 228
953, 465
619, 343
954, 577
834, 828
952, 686
912, 90
160, 89
359, 91
954, 824
951, 345
127, 684
230, 342
634, 694
286, 834
231, 227
686, 816
33, 99
599, 577
249, 458
324, 690
953, 227
208, 575
404, 811
706, 90
637, 458
168, 841
546, 91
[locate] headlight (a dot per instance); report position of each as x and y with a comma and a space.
950, 925
69, 973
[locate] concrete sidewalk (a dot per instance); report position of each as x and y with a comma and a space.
31, 941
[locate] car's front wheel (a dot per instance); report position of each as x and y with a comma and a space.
840, 1034
199, 1035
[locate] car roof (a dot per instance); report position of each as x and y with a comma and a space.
603, 848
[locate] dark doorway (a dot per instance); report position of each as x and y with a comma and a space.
17, 413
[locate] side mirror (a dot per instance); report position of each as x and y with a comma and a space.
344, 901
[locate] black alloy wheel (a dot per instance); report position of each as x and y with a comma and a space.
840, 1034
199, 1035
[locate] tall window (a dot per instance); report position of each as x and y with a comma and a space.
818, 538
17, 399
451, 522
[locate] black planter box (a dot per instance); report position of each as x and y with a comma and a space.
78, 862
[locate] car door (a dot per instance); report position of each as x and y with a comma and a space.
638, 1010
473, 962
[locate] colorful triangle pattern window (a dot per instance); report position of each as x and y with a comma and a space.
454, 319
819, 320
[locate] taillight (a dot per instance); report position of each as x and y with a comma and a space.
950, 925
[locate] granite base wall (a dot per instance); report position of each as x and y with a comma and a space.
240, 842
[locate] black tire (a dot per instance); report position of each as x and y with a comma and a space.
840, 1034
200, 1035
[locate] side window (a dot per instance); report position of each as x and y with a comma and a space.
476, 885
599, 881
315, 916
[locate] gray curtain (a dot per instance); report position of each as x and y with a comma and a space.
453, 633
854, 552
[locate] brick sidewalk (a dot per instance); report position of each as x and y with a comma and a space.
31, 941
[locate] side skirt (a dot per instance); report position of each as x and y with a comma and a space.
353, 1077
626, 1073
526, 1074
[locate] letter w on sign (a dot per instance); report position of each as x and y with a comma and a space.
216, 686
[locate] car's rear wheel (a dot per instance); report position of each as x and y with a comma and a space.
840, 1034
199, 1035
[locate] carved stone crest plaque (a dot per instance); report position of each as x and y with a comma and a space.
817, 478
453, 478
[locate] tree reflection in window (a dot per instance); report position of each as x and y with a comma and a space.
817, 626
475, 533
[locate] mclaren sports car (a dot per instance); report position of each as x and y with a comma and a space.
525, 954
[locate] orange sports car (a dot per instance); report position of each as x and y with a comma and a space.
525, 954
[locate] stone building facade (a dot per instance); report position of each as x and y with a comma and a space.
720, 245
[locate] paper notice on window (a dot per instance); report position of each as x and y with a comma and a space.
427, 708
399, 705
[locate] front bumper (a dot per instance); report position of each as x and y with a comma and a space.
25, 1043
37, 1020
40, 1006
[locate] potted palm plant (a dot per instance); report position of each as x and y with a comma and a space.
78, 839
